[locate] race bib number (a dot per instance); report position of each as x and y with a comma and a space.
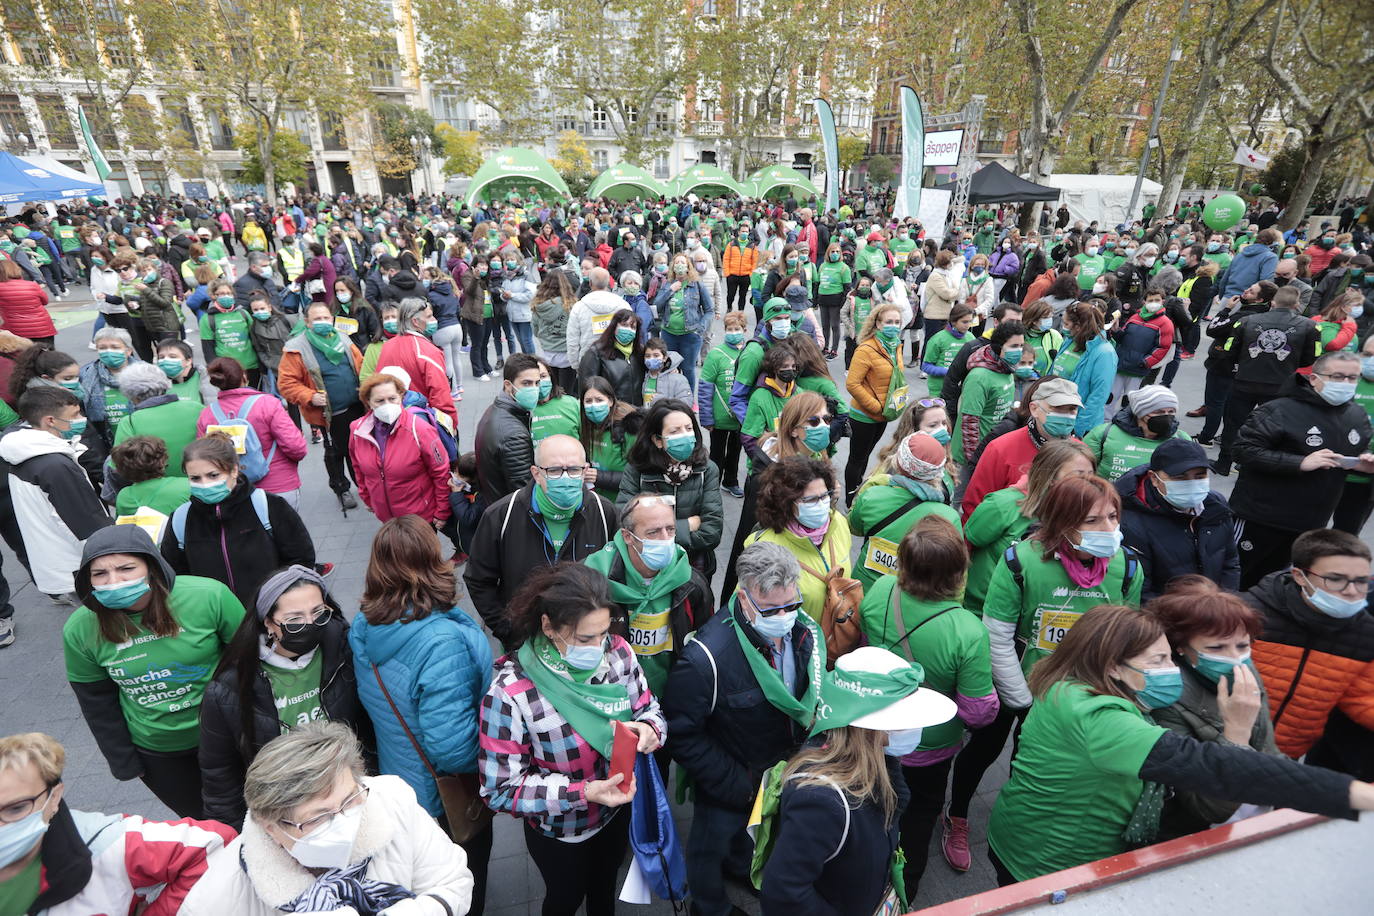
238, 433
601, 322
1053, 626
881, 556
650, 634
347, 326
149, 519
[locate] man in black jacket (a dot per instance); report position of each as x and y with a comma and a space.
629, 256
740, 698
504, 443
257, 277
1175, 521
1269, 349
548, 520
1294, 453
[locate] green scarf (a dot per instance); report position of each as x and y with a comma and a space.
589, 708
803, 710
625, 349
654, 595
332, 347
850, 695
556, 518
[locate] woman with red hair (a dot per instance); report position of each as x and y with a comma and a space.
1224, 702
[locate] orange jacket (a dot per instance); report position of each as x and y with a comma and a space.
1039, 286
1312, 664
298, 384
870, 375
739, 261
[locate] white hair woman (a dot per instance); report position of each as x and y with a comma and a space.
320, 836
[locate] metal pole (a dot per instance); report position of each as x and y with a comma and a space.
968, 154
1175, 53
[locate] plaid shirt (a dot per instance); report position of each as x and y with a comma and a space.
533, 764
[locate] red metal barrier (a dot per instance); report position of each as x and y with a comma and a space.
1056, 887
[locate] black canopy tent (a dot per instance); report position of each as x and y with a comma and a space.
993, 184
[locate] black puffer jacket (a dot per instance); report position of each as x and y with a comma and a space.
1172, 544
228, 542
1220, 359
505, 449
625, 375
725, 733
226, 751
1272, 444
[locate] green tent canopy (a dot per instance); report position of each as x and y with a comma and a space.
706, 180
514, 170
626, 182
774, 179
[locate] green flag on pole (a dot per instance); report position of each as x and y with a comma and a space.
102, 165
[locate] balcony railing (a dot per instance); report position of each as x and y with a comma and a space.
708, 128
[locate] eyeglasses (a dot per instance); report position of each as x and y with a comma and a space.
1339, 583
1338, 378
16, 811
822, 420
300, 620
773, 611
931, 402
822, 499
571, 470
357, 798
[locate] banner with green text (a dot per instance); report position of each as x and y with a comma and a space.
832, 153
908, 201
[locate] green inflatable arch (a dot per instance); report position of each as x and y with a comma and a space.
706, 178
772, 179
626, 182
514, 169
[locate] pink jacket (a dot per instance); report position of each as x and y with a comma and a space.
410, 477
270, 421
423, 360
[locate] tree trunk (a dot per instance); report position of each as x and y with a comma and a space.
1319, 151
266, 143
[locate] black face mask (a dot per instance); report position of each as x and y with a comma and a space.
1162, 425
1281, 281
306, 640
787, 375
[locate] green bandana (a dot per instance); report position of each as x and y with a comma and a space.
803, 710
333, 346
625, 349
850, 695
589, 708
557, 520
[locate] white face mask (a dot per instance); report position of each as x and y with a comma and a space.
388, 413
329, 846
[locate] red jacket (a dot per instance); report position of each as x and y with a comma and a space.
423, 360
23, 309
1005, 460
603, 254
409, 477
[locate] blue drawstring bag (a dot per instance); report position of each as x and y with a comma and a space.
653, 837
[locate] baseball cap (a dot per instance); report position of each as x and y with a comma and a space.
1178, 456
1057, 392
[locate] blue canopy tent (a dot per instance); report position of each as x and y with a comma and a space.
22, 181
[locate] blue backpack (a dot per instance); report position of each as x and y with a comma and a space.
653, 836
253, 461
259, 499
421, 404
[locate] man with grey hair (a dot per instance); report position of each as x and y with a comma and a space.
591, 313
258, 276
412, 350
741, 697
320, 831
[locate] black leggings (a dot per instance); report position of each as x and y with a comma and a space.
983, 748
747, 520
1004, 877
736, 291
927, 785
725, 446
573, 872
830, 304
174, 777
863, 438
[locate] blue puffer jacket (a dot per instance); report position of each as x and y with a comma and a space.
697, 307
1094, 376
444, 303
437, 670
1254, 263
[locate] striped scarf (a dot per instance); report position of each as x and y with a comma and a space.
348, 887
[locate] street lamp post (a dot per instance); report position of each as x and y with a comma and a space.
421, 147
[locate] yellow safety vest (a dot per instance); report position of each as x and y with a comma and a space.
292, 262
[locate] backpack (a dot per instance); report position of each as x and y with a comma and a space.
259, 500
1127, 576
840, 615
254, 463
449, 440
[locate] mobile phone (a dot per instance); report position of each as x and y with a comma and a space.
1349, 461
623, 748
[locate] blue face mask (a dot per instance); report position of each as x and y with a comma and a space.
902, 742
583, 658
323, 328
681, 446
18, 838
1335, 393
170, 367
1367, 367
1045, 324
211, 493
814, 516
1216, 667
1012, 355
816, 438
1163, 687
941, 435
528, 398
113, 358
735, 338
890, 332
564, 492
1186, 495
1334, 605
656, 554
597, 413
431, 326
545, 388
780, 328
1100, 543
1058, 425
625, 335
653, 363
121, 596
775, 627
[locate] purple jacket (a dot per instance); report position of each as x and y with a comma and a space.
1005, 264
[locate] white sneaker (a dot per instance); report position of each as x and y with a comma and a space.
484, 378
6, 631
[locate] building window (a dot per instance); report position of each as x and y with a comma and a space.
960, 43
661, 166
708, 7
298, 122
33, 47
662, 122
600, 161
221, 131
710, 109
631, 115
381, 64
57, 121
565, 121
12, 117
332, 133
601, 117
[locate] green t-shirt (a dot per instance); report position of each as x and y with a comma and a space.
1118, 451
1074, 783
833, 277
719, 372
215, 249
825, 386
18, 893
161, 493
875, 502
189, 389
1089, 269
161, 679
1051, 603
7, 415
66, 238
116, 407
557, 416
987, 395
1046, 345
953, 649
989, 531
231, 335
605, 455
940, 351
296, 692
1220, 258
1329, 330
765, 406
1066, 360
676, 323
1364, 396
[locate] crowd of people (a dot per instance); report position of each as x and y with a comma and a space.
1034, 550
